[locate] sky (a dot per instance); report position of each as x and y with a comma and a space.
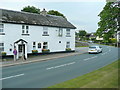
83, 14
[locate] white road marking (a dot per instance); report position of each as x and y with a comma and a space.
90, 58
104, 53
12, 76
86, 59
60, 65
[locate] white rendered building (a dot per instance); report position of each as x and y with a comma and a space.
27, 31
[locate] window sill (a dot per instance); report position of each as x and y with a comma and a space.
45, 35
68, 36
59, 35
26, 34
2, 33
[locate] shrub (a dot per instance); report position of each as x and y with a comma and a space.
45, 50
34, 51
3, 53
113, 40
68, 49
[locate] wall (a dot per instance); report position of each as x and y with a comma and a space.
13, 33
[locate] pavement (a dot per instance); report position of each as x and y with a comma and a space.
31, 59
57, 70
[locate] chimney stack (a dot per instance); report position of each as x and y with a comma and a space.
44, 12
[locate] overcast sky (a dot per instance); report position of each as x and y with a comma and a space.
81, 13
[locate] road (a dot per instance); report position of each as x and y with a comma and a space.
47, 73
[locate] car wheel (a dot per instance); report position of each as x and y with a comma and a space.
97, 52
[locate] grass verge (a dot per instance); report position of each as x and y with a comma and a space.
106, 77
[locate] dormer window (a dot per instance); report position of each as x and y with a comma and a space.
25, 30
2, 29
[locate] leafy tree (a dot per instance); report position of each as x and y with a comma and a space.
82, 34
31, 9
53, 12
108, 21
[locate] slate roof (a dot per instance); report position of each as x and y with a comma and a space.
9, 16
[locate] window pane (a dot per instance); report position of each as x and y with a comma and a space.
27, 27
34, 48
67, 44
20, 48
23, 27
45, 43
26, 31
1, 44
1, 30
1, 49
68, 31
45, 28
1, 25
45, 47
23, 31
39, 45
45, 33
60, 32
33, 43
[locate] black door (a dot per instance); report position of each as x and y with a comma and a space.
21, 48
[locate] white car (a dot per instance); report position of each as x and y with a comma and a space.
95, 49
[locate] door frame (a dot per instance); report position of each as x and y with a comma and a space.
21, 42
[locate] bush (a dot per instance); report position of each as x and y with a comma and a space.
68, 49
34, 51
113, 40
3, 53
45, 50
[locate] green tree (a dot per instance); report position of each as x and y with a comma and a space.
53, 12
82, 34
108, 21
31, 9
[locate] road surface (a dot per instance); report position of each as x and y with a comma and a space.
47, 73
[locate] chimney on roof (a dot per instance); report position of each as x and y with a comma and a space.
44, 12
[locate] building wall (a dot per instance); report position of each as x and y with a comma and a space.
13, 32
